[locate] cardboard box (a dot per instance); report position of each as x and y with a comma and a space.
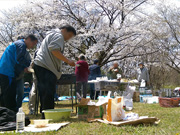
136, 96
90, 112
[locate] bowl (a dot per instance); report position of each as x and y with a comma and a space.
57, 115
41, 123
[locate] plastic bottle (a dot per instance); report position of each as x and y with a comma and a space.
20, 120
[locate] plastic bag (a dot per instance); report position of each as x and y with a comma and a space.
128, 94
115, 110
128, 103
143, 83
131, 116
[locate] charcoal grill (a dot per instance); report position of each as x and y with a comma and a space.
68, 79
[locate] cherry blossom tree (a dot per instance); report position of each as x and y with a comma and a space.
165, 28
107, 30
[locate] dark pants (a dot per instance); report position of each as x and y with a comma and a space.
92, 92
83, 86
46, 85
19, 92
8, 93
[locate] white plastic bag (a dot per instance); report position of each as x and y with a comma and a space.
143, 83
115, 110
128, 94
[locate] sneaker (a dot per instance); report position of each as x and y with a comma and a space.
78, 96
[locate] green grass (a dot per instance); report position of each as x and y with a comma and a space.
169, 125
172, 87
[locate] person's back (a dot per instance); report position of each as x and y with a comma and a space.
14, 54
95, 71
82, 71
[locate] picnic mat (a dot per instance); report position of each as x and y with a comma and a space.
141, 120
49, 127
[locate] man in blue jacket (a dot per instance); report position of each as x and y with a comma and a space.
95, 71
13, 62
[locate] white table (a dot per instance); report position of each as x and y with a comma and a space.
100, 85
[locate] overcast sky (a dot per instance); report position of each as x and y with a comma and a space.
8, 4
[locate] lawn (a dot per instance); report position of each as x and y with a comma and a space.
169, 125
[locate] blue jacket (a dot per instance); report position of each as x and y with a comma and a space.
27, 90
14, 59
95, 71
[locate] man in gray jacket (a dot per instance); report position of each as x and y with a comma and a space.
143, 74
48, 64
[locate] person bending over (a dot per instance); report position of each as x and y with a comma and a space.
48, 64
13, 62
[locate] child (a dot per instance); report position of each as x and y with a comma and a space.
26, 89
82, 72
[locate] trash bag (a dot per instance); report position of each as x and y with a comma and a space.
7, 119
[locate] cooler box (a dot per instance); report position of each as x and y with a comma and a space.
145, 91
144, 97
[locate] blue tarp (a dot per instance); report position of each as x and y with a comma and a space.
62, 98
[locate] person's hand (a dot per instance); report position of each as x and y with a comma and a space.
116, 70
71, 63
26, 70
111, 69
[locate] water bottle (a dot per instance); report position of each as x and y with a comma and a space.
20, 120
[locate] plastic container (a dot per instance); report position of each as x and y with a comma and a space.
57, 115
20, 120
148, 91
153, 100
41, 123
169, 102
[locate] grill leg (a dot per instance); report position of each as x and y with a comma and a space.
100, 92
37, 102
72, 97
95, 95
76, 97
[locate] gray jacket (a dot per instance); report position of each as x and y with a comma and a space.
143, 74
53, 41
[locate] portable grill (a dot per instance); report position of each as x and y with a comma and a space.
68, 79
